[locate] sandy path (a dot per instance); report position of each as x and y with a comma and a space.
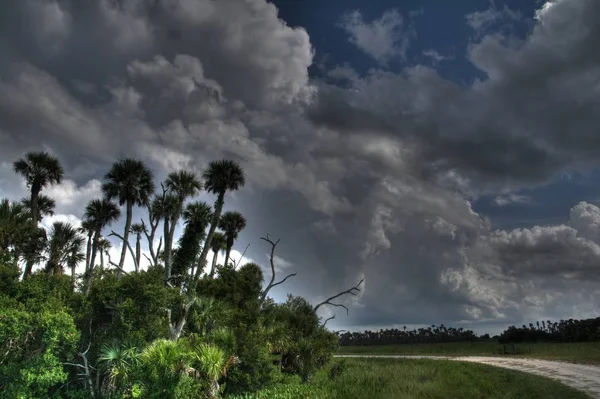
583, 377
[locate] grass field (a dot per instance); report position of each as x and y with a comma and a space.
584, 352
420, 379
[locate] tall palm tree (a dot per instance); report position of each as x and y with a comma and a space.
98, 213
218, 243
182, 184
138, 229
45, 206
14, 221
74, 257
197, 216
219, 178
232, 223
40, 170
65, 242
87, 228
131, 182
103, 247
165, 207
19, 239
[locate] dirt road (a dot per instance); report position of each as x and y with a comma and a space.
583, 377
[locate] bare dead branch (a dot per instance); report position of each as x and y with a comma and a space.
149, 260
327, 319
236, 264
110, 262
283, 281
135, 264
352, 291
272, 283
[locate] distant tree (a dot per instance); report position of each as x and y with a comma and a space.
138, 229
99, 213
45, 206
232, 223
130, 182
40, 170
182, 185
219, 178
218, 243
64, 248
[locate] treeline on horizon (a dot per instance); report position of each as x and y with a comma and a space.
571, 330
170, 330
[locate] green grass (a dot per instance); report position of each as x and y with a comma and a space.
584, 352
421, 379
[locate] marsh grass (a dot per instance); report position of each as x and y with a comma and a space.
580, 352
420, 379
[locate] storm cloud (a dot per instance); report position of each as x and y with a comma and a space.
374, 178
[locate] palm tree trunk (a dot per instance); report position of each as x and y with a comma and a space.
125, 236
35, 191
169, 233
166, 254
214, 264
90, 272
138, 253
73, 276
213, 226
102, 260
228, 252
88, 250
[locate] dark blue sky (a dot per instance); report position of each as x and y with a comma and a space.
440, 25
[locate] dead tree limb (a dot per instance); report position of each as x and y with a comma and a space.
135, 264
352, 291
327, 319
110, 262
236, 264
154, 220
272, 283
175, 329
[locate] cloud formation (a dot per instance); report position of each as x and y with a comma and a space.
374, 178
383, 39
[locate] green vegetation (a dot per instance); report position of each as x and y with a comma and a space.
579, 352
168, 330
414, 379
179, 328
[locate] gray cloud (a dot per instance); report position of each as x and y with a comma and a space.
372, 178
383, 39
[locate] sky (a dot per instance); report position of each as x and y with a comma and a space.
446, 154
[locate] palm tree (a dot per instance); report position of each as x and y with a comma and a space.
220, 177
98, 214
165, 207
232, 223
182, 184
45, 206
87, 228
131, 183
14, 224
138, 229
103, 246
65, 242
40, 170
217, 243
74, 257
197, 216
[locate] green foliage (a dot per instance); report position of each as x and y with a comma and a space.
130, 309
107, 337
420, 379
34, 346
